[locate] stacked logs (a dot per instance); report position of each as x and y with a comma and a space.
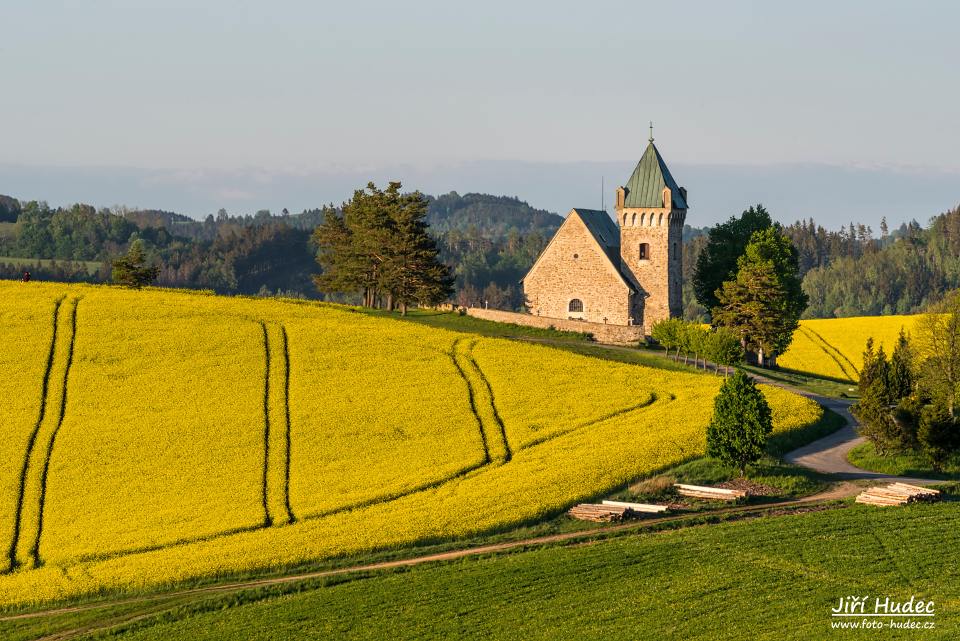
613, 511
711, 493
897, 494
599, 513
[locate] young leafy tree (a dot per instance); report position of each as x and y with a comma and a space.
132, 270
724, 348
665, 333
764, 302
741, 423
726, 242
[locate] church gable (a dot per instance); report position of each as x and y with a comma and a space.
575, 276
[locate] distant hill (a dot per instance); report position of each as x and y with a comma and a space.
489, 241
494, 216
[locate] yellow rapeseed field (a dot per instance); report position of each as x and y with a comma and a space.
204, 435
833, 347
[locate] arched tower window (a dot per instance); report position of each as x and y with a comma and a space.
576, 305
675, 254
642, 218
644, 251
633, 221
660, 221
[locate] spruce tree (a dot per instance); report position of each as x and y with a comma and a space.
901, 368
737, 434
132, 270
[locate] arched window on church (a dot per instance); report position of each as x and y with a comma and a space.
576, 306
676, 256
642, 218
660, 221
644, 251
633, 221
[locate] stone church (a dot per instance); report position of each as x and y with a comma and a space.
626, 272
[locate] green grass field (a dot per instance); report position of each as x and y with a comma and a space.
900, 464
92, 266
772, 578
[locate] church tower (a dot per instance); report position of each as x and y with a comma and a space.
651, 209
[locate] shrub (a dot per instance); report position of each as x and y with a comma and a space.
741, 422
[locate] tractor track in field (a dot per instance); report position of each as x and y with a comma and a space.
31, 442
35, 548
501, 428
830, 351
285, 344
265, 494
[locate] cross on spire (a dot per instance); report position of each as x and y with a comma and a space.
651, 131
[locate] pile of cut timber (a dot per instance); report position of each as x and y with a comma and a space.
638, 507
897, 494
715, 493
599, 513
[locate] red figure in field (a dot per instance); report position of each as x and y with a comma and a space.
26, 277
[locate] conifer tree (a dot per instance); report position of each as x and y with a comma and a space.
741, 422
132, 270
379, 247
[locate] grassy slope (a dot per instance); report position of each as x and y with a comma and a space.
865, 456
775, 578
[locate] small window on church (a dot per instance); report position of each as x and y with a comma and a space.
576, 305
644, 251
675, 255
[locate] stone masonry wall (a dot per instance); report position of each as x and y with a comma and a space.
658, 276
573, 266
608, 334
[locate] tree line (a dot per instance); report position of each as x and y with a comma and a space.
488, 242
909, 399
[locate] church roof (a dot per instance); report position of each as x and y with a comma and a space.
601, 226
646, 183
606, 233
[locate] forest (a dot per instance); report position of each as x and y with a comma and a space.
489, 242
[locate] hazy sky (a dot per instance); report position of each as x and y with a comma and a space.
289, 87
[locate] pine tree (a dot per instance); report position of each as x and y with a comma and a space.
132, 269
342, 270
741, 422
379, 247
412, 271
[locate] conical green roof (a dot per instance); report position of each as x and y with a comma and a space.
645, 187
